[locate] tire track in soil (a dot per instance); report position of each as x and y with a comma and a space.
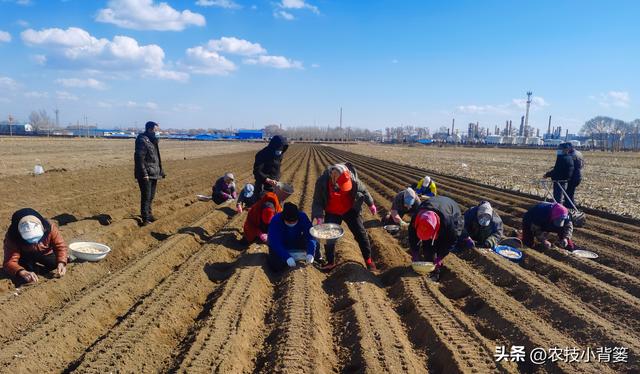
608, 297
129, 243
300, 339
608, 246
370, 334
227, 338
518, 321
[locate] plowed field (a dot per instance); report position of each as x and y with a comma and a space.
184, 295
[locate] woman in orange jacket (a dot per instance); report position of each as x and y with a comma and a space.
33, 240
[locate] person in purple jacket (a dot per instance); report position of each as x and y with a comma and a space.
288, 232
543, 219
224, 189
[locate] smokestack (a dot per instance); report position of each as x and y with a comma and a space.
521, 132
538, 133
549, 129
566, 135
453, 126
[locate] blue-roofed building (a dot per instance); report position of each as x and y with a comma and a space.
249, 134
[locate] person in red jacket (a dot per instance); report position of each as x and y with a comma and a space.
259, 216
33, 240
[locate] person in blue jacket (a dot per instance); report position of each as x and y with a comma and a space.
288, 232
543, 219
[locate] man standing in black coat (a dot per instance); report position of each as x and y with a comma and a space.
148, 169
562, 172
266, 168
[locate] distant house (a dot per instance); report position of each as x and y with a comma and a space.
15, 129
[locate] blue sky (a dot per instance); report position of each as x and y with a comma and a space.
244, 63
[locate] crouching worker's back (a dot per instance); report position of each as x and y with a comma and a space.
289, 232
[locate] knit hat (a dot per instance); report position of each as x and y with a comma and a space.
290, 212
427, 225
559, 214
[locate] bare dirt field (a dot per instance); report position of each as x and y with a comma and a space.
610, 180
18, 155
184, 295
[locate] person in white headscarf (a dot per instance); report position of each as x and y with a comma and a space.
405, 202
426, 187
482, 227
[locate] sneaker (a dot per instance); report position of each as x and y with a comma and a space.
328, 266
145, 223
152, 219
370, 265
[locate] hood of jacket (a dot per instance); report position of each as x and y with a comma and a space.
13, 232
278, 142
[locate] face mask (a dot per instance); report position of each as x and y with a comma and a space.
278, 153
31, 232
484, 221
157, 134
291, 224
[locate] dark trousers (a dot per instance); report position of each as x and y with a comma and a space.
147, 193
571, 188
219, 198
30, 261
429, 253
260, 186
356, 226
557, 192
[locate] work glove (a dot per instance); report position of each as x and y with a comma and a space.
404, 224
547, 244
319, 221
564, 243
239, 208
263, 237
373, 209
487, 244
291, 262
310, 259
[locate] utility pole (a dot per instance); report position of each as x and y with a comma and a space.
526, 116
57, 112
10, 125
340, 118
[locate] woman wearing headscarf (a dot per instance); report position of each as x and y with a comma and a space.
482, 227
405, 202
224, 189
32, 240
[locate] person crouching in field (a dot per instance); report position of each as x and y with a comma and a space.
288, 232
544, 218
405, 202
482, 227
148, 169
256, 226
224, 189
338, 197
246, 198
434, 230
31, 241
426, 187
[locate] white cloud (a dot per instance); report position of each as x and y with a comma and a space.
187, 108
284, 15
75, 48
315, 65
278, 62
298, 4
536, 102
81, 83
5, 37
203, 61
104, 104
148, 105
19, 2
236, 46
620, 99
22, 23
146, 15
64, 95
7, 83
36, 95
514, 107
227, 4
